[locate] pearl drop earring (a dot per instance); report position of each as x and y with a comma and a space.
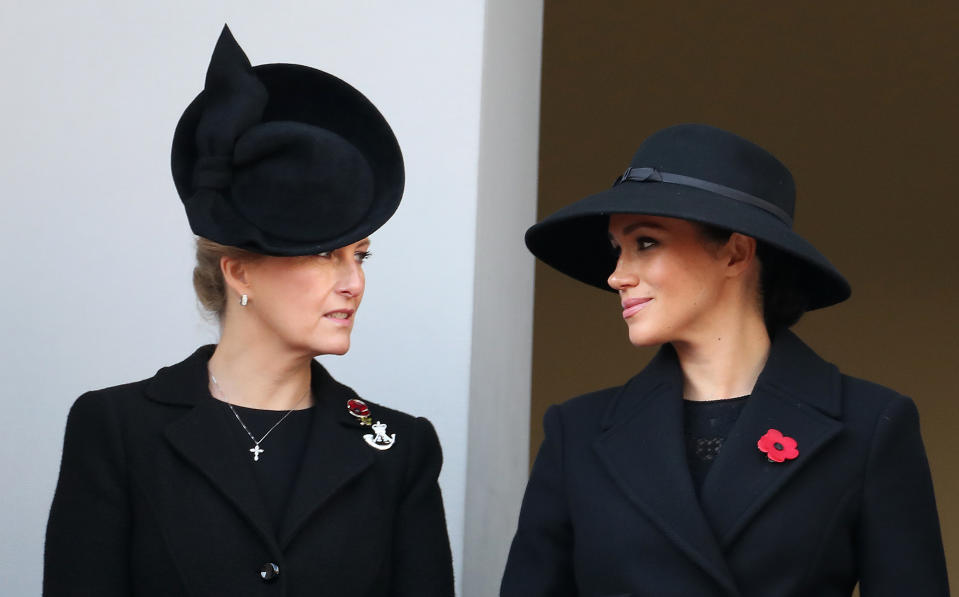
243, 300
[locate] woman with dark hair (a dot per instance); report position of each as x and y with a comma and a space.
738, 462
247, 469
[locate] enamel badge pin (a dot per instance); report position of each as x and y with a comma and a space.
360, 410
380, 441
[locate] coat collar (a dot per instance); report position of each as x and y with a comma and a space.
798, 394
642, 447
185, 383
792, 368
799, 375
335, 453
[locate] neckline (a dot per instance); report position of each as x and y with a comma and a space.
270, 410
718, 400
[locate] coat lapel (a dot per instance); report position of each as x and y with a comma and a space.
642, 448
798, 394
204, 439
335, 453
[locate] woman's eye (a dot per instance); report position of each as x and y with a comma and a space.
362, 256
325, 254
644, 243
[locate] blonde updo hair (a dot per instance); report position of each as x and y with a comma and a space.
208, 278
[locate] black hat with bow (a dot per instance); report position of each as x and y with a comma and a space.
693, 172
283, 159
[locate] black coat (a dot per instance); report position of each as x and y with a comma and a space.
610, 508
154, 498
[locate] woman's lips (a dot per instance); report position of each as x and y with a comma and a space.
340, 316
633, 306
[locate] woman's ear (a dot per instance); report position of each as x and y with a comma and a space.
235, 275
740, 252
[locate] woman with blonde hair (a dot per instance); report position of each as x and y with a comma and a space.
247, 469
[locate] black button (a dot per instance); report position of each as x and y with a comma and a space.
269, 571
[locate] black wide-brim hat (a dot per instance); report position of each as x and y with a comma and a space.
698, 173
283, 159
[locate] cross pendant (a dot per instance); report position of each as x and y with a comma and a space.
256, 452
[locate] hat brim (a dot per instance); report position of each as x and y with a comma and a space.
575, 239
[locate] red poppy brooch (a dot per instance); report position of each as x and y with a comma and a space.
778, 447
360, 410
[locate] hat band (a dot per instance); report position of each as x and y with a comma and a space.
654, 175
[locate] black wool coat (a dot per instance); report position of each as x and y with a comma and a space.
155, 498
610, 509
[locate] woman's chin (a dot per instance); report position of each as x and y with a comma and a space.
334, 349
323, 345
640, 338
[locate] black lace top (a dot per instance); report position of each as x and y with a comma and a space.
706, 426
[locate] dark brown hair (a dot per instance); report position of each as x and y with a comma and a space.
783, 299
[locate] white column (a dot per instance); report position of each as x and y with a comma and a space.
498, 460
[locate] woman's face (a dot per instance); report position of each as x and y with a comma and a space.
309, 302
669, 281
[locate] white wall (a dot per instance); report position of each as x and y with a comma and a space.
96, 252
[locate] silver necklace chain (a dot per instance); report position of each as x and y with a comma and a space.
256, 449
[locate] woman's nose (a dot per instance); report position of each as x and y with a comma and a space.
622, 277
352, 280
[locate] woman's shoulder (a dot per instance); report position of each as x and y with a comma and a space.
822, 383
868, 401
590, 401
857, 388
170, 384
346, 398
98, 417
399, 420
112, 397
583, 414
